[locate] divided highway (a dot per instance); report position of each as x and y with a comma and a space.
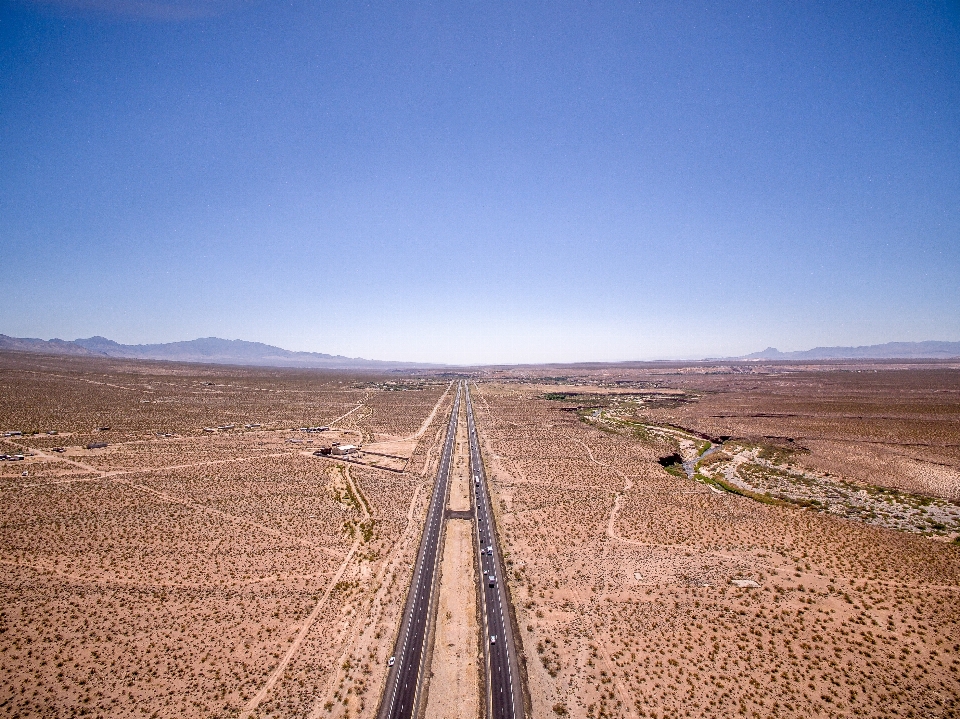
504, 698
405, 678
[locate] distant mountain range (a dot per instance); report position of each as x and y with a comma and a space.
211, 350
214, 350
890, 350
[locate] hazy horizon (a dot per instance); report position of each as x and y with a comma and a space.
481, 184
239, 359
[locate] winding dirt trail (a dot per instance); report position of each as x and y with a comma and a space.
117, 477
611, 531
604, 656
301, 635
277, 673
371, 608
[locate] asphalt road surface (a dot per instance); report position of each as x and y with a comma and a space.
504, 698
405, 679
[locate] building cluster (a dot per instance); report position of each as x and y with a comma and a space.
337, 449
220, 428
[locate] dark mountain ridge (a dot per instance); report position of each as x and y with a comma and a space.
212, 350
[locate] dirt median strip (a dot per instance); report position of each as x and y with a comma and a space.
454, 678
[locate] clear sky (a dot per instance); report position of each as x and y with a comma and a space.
482, 181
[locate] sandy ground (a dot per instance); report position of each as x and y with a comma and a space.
454, 670
459, 500
370, 612
185, 573
643, 594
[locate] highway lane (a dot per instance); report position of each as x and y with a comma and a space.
402, 691
504, 698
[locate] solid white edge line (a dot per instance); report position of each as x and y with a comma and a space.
406, 636
475, 450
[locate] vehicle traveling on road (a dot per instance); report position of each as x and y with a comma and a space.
503, 680
403, 687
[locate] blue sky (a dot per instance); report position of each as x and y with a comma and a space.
482, 182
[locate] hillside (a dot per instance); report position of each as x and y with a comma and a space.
213, 350
889, 350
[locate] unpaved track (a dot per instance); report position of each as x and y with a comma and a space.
233, 518
376, 604
304, 630
347, 414
118, 477
301, 635
393, 563
360, 638
427, 422
609, 664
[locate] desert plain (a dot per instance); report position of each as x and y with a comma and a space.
682, 540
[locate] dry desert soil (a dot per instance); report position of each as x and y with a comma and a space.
701, 540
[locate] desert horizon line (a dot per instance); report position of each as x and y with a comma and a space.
218, 350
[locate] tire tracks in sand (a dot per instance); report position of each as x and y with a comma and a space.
387, 570
281, 667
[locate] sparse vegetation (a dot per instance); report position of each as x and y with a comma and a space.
176, 570
171, 572
663, 597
